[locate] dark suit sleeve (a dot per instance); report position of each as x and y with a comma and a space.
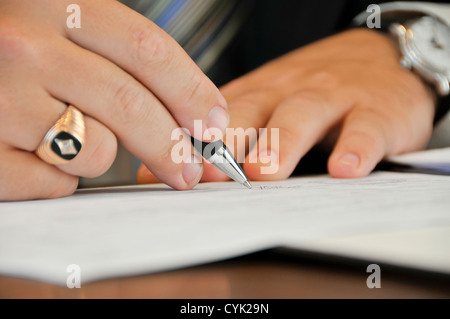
277, 27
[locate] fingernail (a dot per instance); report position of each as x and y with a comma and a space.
218, 118
349, 159
266, 158
192, 170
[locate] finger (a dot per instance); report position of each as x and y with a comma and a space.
367, 135
111, 96
27, 117
145, 176
24, 176
30, 116
249, 112
296, 125
141, 48
97, 153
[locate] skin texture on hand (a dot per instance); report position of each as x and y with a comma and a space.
346, 93
132, 81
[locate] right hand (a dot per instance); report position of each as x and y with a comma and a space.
130, 79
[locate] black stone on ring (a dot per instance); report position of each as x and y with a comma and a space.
66, 146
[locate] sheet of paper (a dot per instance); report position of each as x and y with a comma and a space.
425, 248
437, 160
136, 230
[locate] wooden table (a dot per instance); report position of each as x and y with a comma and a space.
266, 274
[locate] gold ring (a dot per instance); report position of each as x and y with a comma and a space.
63, 142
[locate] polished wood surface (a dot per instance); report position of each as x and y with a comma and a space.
257, 276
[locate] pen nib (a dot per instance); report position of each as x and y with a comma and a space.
247, 184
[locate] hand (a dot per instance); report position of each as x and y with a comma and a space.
130, 79
347, 92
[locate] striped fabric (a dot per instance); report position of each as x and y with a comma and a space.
202, 27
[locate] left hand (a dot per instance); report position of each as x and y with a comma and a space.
347, 92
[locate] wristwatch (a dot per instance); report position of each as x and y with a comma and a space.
424, 43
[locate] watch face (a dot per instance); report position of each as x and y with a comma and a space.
431, 41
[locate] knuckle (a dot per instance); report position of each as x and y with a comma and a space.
151, 47
14, 43
308, 100
197, 88
290, 133
371, 140
324, 79
130, 102
247, 100
251, 98
284, 76
306, 97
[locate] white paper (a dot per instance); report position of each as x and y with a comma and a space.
142, 229
435, 159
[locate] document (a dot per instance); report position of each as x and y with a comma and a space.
398, 218
436, 161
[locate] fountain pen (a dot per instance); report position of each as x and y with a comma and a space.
218, 155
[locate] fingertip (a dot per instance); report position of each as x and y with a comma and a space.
68, 186
347, 165
188, 177
218, 119
192, 173
364, 140
104, 156
222, 101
